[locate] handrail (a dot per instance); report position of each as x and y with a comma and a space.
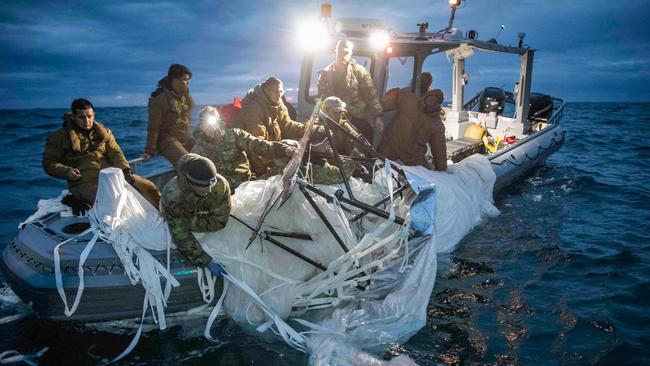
469, 106
557, 114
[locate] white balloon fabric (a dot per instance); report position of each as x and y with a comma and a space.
374, 294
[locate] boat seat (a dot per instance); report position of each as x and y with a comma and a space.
461, 148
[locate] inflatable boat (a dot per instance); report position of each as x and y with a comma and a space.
520, 130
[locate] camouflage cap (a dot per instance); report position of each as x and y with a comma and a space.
334, 104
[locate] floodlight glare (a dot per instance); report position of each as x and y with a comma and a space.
379, 39
312, 36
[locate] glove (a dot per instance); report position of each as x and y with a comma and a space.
319, 134
216, 268
78, 206
128, 175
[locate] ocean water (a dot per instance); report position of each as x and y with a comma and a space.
561, 277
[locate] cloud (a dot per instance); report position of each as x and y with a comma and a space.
51, 52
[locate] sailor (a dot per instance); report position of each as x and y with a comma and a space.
196, 200
228, 148
80, 149
264, 116
333, 111
426, 79
170, 107
416, 124
352, 83
316, 169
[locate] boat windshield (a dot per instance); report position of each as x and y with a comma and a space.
400, 72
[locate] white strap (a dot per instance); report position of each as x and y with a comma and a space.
215, 312
80, 271
136, 338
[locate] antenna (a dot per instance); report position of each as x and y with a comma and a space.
453, 4
503, 26
494, 40
521, 36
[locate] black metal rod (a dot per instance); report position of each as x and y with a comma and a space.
362, 144
290, 235
242, 222
364, 206
337, 157
293, 252
322, 216
381, 202
339, 195
266, 211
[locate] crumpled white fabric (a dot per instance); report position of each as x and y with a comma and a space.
48, 206
402, 274
124, 218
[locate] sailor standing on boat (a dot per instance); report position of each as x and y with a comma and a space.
196, 200
351, 82
80, 149
170, 108
227, 148
416, 124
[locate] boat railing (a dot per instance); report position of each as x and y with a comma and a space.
472, 103
557, 112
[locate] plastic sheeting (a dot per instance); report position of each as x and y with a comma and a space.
397, 275
464, 197
124, 218
48, 206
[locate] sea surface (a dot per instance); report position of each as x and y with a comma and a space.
562, 276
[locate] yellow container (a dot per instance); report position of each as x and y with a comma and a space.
475, 131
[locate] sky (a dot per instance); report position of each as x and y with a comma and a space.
114, 52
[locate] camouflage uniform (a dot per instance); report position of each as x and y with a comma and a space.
168, 130
187, 212
89, 151
406, 138
230, 152
321, 171
266, 120
356, 89
344, 144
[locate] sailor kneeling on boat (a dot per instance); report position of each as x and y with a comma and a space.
229, 148
81, 148
196, 200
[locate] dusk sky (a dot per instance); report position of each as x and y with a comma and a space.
114, 52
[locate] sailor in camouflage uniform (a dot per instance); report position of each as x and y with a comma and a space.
316, 170
170, 108
351, 82
196, 200
229, 148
